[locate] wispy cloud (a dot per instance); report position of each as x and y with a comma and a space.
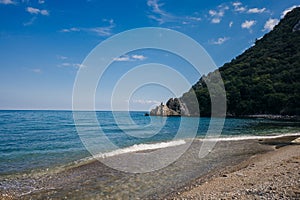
270, 24
101, 31
217, 15
36, 11
41, 1
37, 71
7, 2
286, 11
220, 41
62, 57
238, 7
30, 22
67, 30
128, 58
248, 24
122, 59
194, 18
142, 101
76, 65
256, 10
138, 57
158, 14
216, 20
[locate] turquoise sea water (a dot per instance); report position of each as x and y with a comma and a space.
31, 140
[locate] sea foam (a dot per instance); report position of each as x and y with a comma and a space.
140, 147
250, 137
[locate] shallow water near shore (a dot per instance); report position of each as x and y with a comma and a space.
42, 155
95, 180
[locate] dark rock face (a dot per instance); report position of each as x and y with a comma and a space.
174, 107
297, 27
174, 104
178, 106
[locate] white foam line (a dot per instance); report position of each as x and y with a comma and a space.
141, 147
249, 137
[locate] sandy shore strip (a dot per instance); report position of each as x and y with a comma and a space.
273, 175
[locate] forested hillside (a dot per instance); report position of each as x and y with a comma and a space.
265, 79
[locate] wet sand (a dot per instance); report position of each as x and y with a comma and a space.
273, 175
242, 163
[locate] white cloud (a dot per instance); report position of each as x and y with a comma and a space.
7, 2
216, 20
217, 15
32, 10
127, 58
138, 57
230, 24
238, 7
76, 65
142, 101
248, 24
235, 4
270, 24
156, 6
122, 59
286, 11
36, 11
67, 30
212, 12
44, 12
220, 41
41, 1
256, 10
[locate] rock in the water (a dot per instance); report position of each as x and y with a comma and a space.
163, 110
174, 107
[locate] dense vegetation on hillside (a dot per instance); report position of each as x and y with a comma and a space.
265, 79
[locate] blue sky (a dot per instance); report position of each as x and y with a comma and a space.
43, 43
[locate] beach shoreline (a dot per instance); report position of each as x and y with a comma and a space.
89, 181
271, 175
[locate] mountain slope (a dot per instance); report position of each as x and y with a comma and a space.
265, 79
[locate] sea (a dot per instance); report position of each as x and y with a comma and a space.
34, 143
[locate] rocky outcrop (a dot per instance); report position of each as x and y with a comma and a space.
178, 106
174, 107
297, 27
163, 110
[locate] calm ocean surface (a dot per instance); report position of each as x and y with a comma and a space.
31, 140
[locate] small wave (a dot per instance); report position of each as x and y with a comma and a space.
238, 138
141, 147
